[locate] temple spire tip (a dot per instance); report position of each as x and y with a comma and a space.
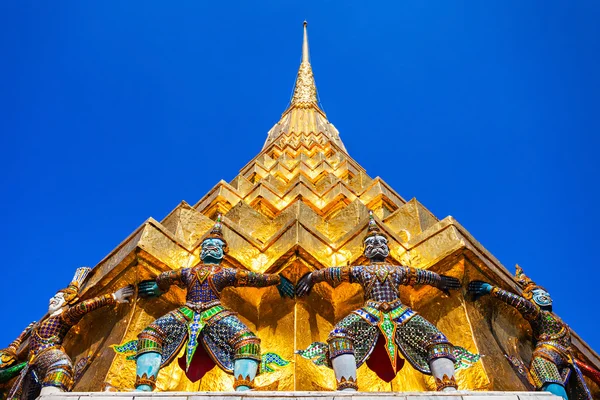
305, 44
305, 91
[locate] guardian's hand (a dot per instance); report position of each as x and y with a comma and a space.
448, 283
305, 285
122, 295
7, 358
479, 288
286, 288
148, 289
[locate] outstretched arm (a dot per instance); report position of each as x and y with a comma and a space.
162, 283
14, 346
166, 279
9, 355
76, 312
255, 279
243, 278
332, 275
527, 308
416, 276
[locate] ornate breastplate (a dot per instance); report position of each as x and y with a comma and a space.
379, 282
200, 288
49, 333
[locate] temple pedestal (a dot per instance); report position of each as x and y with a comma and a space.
303, 396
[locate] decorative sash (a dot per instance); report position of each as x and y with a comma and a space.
195, 326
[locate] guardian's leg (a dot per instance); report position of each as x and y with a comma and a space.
246, 359
341, 354
429, 348
441, 363
58, 376
149, 356
545, 374
244, 371
556, 389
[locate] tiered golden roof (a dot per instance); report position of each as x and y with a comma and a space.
302, 204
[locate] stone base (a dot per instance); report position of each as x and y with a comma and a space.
462, 395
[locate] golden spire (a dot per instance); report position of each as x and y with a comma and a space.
305, 44
305, 92
303, 117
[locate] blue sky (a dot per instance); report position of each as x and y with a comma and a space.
116, 111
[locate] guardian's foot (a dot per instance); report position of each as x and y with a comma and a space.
446, 384
244, 371
143, 388
449, 389
46, 390
347, 385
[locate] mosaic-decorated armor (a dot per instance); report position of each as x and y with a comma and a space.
48, 367
553, 366
203, 322
384, 319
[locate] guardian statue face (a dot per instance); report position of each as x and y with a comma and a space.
376, 247
213, 250
541, 298
56, 302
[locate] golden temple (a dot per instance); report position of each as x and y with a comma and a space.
303, 204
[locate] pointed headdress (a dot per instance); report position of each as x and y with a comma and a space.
71, 292
373, 229
526, 284
217, 232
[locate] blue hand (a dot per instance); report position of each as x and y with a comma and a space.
286, 288
148, 289
479, 288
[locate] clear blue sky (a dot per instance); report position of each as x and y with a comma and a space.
115, 111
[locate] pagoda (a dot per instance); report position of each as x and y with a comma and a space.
299, 205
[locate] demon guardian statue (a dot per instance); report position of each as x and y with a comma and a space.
49, 369
203, 321
553, 367
355, 337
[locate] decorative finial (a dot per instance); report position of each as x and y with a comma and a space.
305, 92
372, 223
373, 228
525, 282
217, 231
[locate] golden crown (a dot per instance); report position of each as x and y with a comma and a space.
72, 291
217, 232
373, 228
